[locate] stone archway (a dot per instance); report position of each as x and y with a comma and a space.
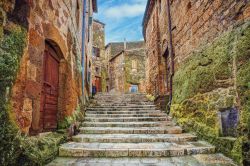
52, 39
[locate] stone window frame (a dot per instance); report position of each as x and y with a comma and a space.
134, 65
96, 52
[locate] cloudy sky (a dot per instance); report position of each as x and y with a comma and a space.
123, 19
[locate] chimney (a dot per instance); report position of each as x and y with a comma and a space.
125, 44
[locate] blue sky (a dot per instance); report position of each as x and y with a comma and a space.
123, 19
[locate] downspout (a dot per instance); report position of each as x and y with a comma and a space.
83, 45
171, 52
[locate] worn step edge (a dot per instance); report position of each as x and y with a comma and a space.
117, 106
199, 159
122, 109
134, 138
123, 112
90, 115
130, 151
126, 119
127, 124
119, 130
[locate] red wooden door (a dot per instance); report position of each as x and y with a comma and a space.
98, 84
49, 100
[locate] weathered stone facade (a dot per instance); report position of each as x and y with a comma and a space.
99, 59
54, 26
127, 67
210, 45
91, 7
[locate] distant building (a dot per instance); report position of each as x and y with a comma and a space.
126, 66
99, 59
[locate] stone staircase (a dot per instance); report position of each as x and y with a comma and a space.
124, 128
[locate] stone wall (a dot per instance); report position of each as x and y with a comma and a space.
135, 69
212, 81
153, 53
207, 46
58, 24
100, 62
210, 48
116, 71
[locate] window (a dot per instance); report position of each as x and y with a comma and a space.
159, 5
77, 13
96, 52
97, 69
134, 65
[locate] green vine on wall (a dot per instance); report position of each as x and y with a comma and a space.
12, 45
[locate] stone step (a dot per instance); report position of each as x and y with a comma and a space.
191, 160
113, 109
123, 112
90, 115
110, 103
128, 124
134, 138
135, 106
73, 149
141, 130
126, 119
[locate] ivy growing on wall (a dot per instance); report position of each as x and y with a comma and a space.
11, 49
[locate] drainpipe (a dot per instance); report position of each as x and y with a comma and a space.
83, 45
171, 52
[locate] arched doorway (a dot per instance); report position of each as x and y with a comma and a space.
50, 89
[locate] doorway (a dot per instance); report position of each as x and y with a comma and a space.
98, 84
50, 88
134, 88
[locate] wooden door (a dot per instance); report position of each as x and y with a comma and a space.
49, 102
98, 84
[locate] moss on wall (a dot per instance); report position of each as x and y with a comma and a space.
205, 84
11, 49
40, 150
77, 116
16, 148
242, 57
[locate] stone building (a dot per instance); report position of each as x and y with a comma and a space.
199, 57
47, 86
99, 59
126, 66
91, 7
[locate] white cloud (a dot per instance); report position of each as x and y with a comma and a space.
123, 18
125, 11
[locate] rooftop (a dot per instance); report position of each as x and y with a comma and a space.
117, 47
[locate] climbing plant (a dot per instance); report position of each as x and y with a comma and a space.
11, 49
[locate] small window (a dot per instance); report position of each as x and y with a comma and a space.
97, 69
189, 5
134, 65
159, 5
96, 52
77, 13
